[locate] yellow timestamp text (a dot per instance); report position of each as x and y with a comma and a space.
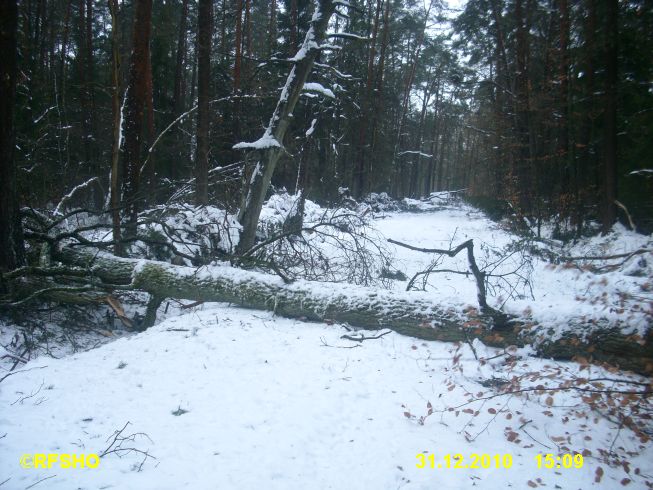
567, 461
474, 461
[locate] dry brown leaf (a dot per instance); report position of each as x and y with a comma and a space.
598, 474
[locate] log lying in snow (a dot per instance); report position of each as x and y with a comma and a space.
410, 313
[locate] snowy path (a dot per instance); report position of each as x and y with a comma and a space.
554, 295
269, 405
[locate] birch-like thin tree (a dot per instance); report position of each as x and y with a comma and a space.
271, 143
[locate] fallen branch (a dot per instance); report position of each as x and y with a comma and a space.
117, 445
363, 337
628, 255
478, 274
192, 305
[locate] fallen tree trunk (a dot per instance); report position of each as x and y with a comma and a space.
414, 314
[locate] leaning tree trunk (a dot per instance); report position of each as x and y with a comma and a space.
271, 144
416, 314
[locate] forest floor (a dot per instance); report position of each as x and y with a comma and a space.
222, 397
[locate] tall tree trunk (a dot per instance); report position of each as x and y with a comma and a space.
248, 36
445, 140
134, 107
587, 158
238, 60
361, 175
64, 47
223, 34
408, 84
272, 29
378, 108
12, 253
239, 45
417, 173
90, 64
609, 214
430, 172
523, 163
294, 25
117, 123
148, 170
271, 143
568, 173
205, 32
180, 88
96, 164
82, 74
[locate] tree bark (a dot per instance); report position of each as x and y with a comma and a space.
414, 314
12, 253
279, 123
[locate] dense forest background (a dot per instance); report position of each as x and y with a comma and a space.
544, 106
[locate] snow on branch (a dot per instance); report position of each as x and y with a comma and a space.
348, 5
309, 41
319, 88
340, 74
311, 130
332, 47
45, 113
75, 189
642, 171
348, 35
264, 142
414, 152
301, 54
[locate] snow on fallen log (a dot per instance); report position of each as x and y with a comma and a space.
415, 314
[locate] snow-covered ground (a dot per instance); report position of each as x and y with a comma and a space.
276, 403
222, 397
